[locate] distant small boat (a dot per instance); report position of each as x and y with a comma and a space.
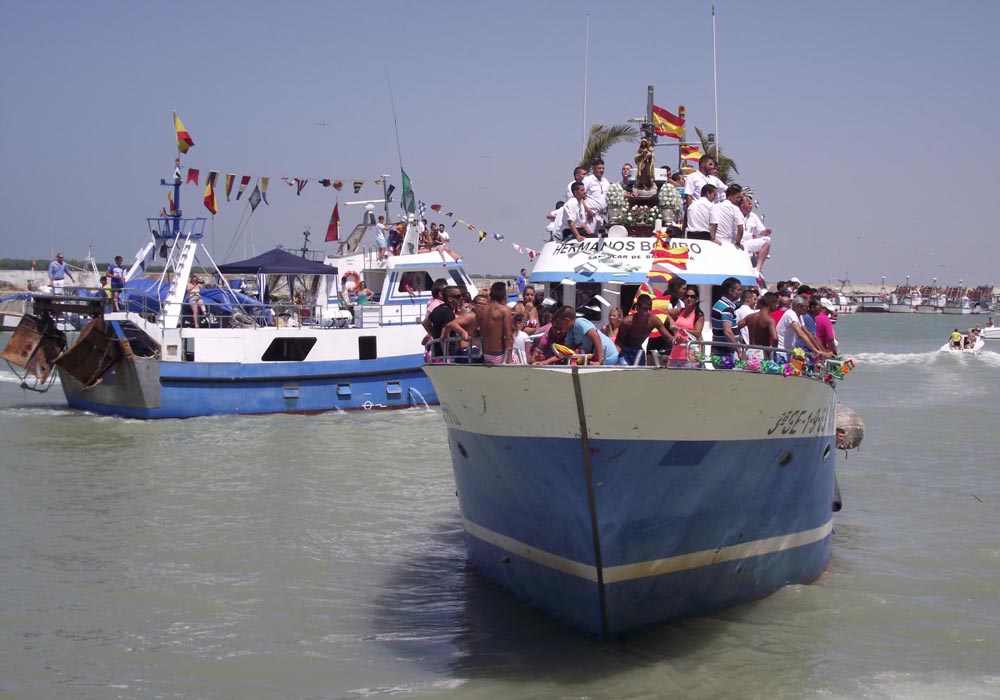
990, 333
975, 349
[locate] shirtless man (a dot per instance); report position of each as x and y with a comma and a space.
496, 325
635, 329
761, 326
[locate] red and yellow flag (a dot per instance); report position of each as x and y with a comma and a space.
333, 228
691, 153
210, 191
184, 140
667, 124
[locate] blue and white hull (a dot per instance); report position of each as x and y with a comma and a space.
150, 388
616, 498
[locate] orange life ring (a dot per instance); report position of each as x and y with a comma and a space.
350, 273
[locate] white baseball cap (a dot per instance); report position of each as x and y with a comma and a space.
827, 304
795, 280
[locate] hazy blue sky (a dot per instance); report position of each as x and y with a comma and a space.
866, 128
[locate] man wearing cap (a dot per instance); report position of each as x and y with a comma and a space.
726, 220
794, 285
58, 272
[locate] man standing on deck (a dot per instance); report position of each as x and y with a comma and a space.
699, 215
597, 191
496, 325
116, 275
704, 175
522, 282
724, 317
790, 330
726, 220
58, 272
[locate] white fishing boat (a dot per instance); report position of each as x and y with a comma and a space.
171, 352
616, 497
905, 301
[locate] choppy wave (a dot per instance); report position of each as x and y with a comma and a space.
987, 357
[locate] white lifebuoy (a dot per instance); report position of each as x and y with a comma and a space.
354, 284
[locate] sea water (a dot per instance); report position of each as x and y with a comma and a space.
322, 557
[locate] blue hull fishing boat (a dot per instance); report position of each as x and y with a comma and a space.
618, 497
302, 343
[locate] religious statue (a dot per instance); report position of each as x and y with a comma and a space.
645, 186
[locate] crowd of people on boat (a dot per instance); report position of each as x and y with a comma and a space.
431, 237
744, 323
712, 210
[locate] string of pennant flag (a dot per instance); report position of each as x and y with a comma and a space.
259, 193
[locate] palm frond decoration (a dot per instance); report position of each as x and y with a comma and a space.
726, 164
603, 137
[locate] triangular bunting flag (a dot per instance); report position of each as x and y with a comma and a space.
436, 207
192, 176
482, 235
357, 185
518, 248
333, 229
254, 199
326, 183
498, 237
184, 141
209, 199
337, 184
244, 181
263, 189
299, 186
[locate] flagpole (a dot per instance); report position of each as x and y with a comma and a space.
586, 66
715, 87
395, 122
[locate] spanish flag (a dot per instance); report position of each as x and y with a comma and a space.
667, 124
184, 140
691, 153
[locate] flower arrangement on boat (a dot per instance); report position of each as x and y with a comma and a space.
670, 203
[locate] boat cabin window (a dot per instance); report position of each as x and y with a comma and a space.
288, 349
414, 282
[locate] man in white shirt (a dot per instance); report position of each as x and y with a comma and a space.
726, 220
757, 238
699, 215
790, 327
578, 174
748, 304
557, 222
578, 215
597, 191
704, 175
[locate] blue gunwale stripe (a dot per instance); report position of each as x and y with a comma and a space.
656, 567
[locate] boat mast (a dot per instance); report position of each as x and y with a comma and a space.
586, 65
715, 88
